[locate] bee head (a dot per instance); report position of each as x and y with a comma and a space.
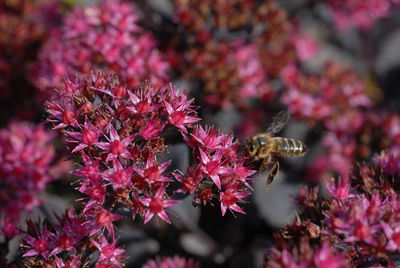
251, 146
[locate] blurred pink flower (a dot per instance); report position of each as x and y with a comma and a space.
26, 167
171, 262
306, 47
102, 36
361, 14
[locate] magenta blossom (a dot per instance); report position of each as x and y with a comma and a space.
178, 117
214, 166
171, 262
40, 245
156, 204
229, 199
115, 146
152, 172
88, 136
109, 253
103, 220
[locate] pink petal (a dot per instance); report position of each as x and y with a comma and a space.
163, 215
223, 209
134, 99
191, 119
81, 146
62, 125
168, 107
113, 134
204, 157
236, 208
148, 216
145, 201
164, 166
128, 139
31, 253
216, 180
127, 155
170, 203
103, 145
75, 135
111, 157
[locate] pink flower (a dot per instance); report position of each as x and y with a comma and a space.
71, 263
152, 171
40, 245
63, 112
89, 136
143, 103
92, 39
109, 252
289, 74
213, 166
152, 128
305, 46
243, 173
103, 219
250, 71
180, 114
91, 169
357, 13
342, 191
229, 199
209, 139
191, 180
121, 176
26, 167
156, 204
96, 193
326, 258
115, 146
171, 262
389, 161
393, 236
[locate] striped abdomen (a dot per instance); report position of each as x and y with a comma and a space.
288, 147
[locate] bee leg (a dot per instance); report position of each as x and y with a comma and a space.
273, 172
264, 164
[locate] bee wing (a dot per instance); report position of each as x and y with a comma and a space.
278, 122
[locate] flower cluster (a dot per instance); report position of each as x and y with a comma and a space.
230, 71
354, 137
357, 136
336, 99
67, 243
26, 166
359, 219
219, 173
23, 28
229, 68
25, 23
388, 160
171, 262
325, 96
117, 134
103, 37
306, 255
361, 14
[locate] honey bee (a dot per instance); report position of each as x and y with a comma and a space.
264, 146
